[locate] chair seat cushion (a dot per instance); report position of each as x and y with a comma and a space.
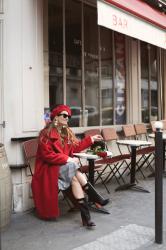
85, 168
146, 150
113, 159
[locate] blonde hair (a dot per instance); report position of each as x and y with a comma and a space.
67, 132
63, 130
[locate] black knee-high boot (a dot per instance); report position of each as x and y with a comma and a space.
85, 214
93, 195
69, 194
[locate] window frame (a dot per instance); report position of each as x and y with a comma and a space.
158, 79
64, 85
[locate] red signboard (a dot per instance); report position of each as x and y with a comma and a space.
141, 9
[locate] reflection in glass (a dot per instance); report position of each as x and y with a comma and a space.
106, 76
120, 79
149, 92
55, 52
73, 60
78, 36
144, 83
91, 65
153, 83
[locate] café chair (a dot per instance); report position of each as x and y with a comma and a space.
117, 165
143, 153
99, 168
164, 125
141, 131
30, 149
92, 132
152, 124
107, 168
142, 134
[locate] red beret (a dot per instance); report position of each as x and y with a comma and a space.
56, 111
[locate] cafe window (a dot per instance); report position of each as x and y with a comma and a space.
86, 65
55, 53
149, 83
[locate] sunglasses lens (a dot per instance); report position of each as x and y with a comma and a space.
65, 116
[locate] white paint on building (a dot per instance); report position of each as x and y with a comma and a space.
21, 31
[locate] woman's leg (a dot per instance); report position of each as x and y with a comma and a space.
90, 190
82, 203
77, 188
81, 178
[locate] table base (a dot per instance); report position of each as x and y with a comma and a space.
132, 186
95, 207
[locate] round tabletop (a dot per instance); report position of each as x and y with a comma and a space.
86, 156
136, 143
153, 136
91, 156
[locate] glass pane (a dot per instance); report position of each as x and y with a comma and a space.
153, 83
106, 76
120, 82
55, 52
91, 65
73, 60
144, 83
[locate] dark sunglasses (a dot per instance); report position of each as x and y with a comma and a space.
65, 116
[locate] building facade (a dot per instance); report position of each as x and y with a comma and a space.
106, 59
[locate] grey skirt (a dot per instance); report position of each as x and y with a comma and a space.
66, 173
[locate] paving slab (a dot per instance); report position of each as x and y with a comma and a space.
129, 237
131, 216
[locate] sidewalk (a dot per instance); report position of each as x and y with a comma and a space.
129, 226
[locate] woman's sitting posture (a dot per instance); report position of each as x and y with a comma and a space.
56, 168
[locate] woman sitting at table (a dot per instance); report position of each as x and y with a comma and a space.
56, 168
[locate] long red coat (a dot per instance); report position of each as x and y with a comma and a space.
50, 156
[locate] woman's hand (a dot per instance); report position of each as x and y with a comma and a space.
73, 159
96, 138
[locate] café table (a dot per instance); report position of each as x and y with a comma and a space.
133, 144
91, 161
153, 136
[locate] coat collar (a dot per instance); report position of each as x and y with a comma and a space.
54, 134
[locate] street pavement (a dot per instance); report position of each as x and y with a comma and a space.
129, 226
